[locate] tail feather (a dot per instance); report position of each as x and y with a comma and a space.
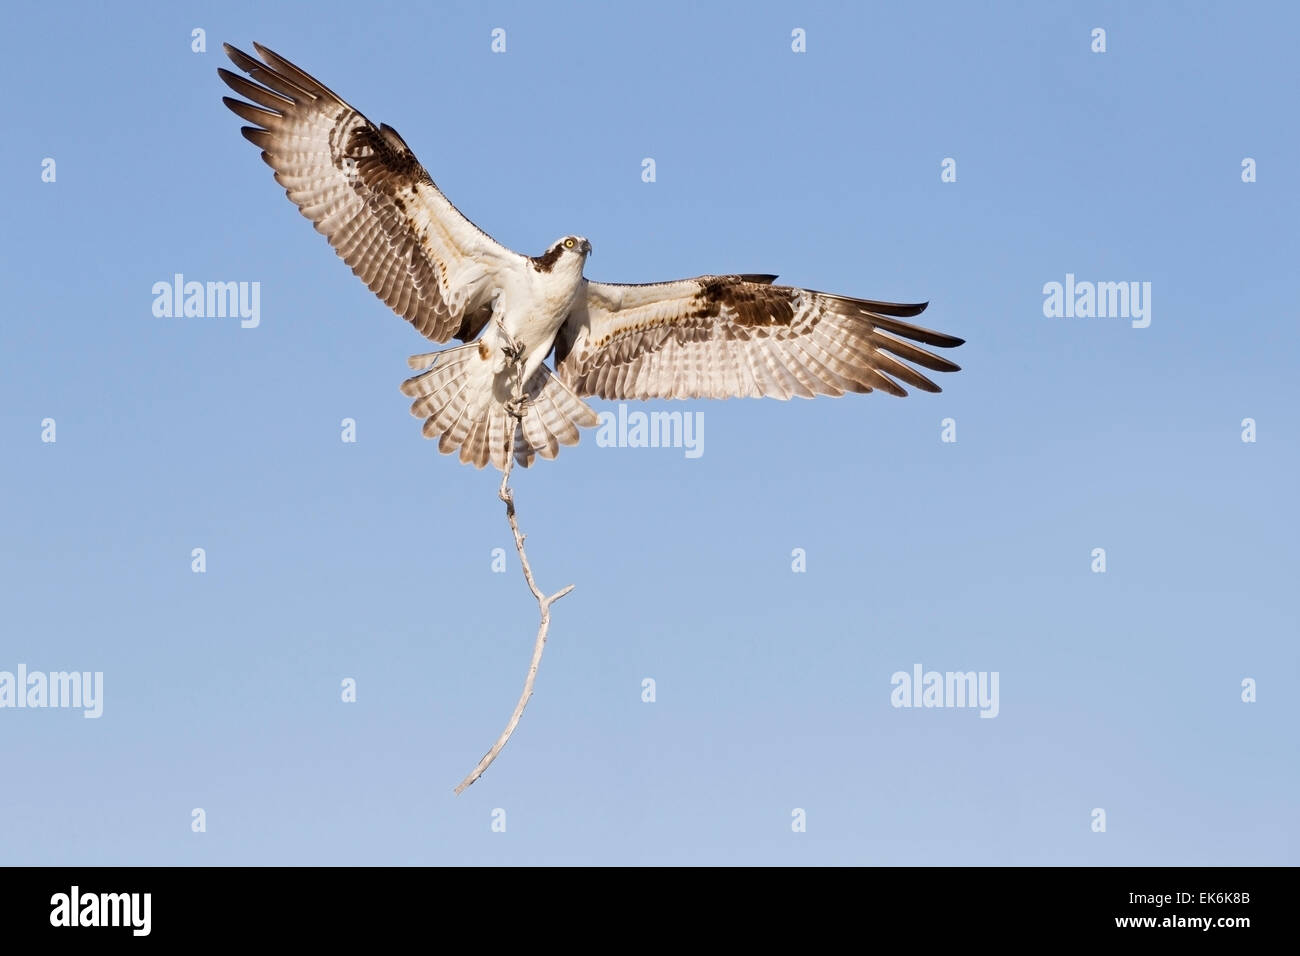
455, 435
437, 396
475, 450
453, 421
425, 359
557, 423
447, 419
496, 437
441, 405
452, 417
455, 396
534, 435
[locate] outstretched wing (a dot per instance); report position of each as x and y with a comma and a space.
723, 336
366, 192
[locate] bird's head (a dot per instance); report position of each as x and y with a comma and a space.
568, 253
573, 246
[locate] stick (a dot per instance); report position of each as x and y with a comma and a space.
506, 494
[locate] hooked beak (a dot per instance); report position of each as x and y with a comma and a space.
586, 247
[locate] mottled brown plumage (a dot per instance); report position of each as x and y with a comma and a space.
364, 190
722, 336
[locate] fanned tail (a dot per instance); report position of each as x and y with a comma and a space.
455, 397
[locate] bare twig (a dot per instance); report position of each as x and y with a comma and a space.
507, 495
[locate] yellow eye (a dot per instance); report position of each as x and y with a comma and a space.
568, 243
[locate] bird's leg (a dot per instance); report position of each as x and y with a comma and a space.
514, 353
515, 407
513, 350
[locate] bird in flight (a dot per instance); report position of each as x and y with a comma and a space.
713, 336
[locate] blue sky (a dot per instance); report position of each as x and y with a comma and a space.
372, 560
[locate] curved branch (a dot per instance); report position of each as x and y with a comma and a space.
507, 495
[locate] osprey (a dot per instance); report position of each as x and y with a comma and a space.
713, 336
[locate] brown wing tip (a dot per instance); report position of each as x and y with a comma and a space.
247, 111
916, 333
899, 310
256, 136
270, 57
240, 58
946, 341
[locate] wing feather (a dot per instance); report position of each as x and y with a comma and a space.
740, 335
364, 190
